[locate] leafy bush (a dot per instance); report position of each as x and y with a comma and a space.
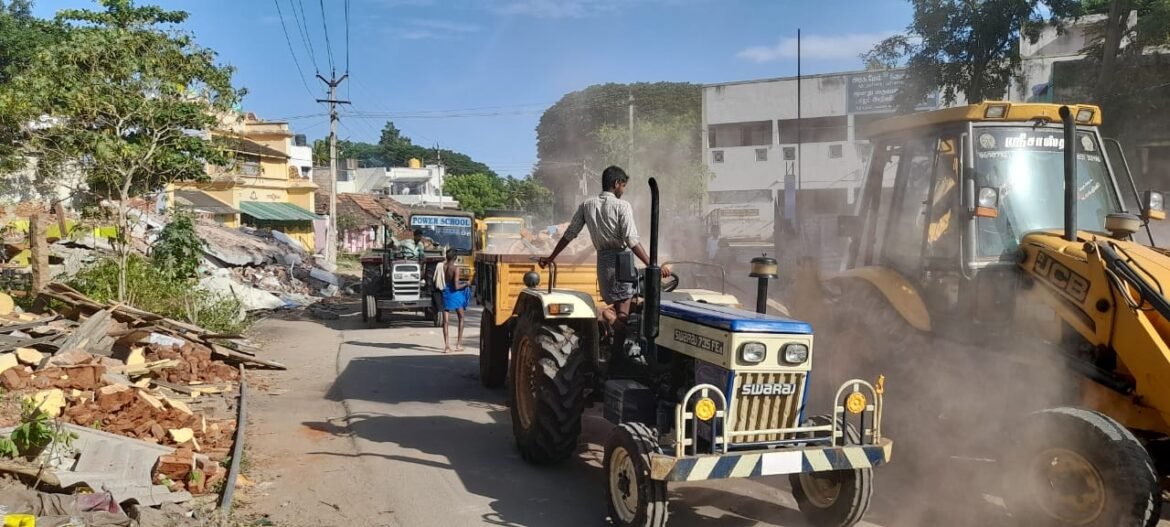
178, 249
35, 432
161, 293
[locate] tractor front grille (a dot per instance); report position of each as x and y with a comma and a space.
761, 411
405, 280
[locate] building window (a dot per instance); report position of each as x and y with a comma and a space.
761, 154
814, 130
755, 133
834, 151
790, 153
716, 156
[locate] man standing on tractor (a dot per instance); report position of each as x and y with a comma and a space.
611, 226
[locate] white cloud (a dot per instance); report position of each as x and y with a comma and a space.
429, 28
442, 25
816, 47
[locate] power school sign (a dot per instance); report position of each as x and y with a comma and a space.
440, 221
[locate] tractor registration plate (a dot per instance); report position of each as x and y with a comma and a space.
775, 388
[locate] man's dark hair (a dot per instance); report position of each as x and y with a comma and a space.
613, 175
418, 232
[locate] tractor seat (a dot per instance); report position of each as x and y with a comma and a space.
733, 319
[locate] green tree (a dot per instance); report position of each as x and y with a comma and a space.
965, 46
568, 133
396, 150
367, 155
123, 93
21, 36
530, 196
179, 249
476, 192
669, 150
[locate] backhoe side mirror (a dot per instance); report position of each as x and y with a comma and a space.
1153, 205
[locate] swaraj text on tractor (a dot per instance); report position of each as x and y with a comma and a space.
696, 391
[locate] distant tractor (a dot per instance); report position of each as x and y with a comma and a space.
697, 390
394, 283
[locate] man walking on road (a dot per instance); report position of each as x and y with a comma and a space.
610, 220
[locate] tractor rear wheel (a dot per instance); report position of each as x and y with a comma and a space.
493, 352
838, 498
634, 499
1079, 467
549, 374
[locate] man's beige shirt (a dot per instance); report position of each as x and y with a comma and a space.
610, 221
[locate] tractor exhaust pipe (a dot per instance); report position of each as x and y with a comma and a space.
1070, 174
653, 294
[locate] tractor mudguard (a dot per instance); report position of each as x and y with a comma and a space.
896, 289
582, 303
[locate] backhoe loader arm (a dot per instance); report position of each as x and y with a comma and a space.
1110, 293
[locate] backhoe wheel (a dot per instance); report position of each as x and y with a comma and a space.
838, 498
493, 352
633, 498
547, 392
1079, 467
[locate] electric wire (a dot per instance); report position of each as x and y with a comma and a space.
291, 51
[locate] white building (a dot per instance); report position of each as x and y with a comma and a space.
300, 156
753, 138
413, 185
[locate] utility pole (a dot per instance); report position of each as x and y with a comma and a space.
331, 231
630, 157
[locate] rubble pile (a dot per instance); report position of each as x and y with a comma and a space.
145, 381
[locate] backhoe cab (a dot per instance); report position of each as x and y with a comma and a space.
999, 229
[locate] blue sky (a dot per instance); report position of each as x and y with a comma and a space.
474, 75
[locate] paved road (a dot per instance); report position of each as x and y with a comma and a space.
405, 435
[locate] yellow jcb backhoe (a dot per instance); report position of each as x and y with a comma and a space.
992, 256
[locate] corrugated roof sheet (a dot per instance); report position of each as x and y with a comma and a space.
276, 211
202, 202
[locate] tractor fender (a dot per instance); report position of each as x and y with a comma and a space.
896, 289
584, 316
540, 299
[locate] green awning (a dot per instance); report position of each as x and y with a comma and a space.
276, 211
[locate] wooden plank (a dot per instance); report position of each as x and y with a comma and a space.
230, 355
28, 325
90, 334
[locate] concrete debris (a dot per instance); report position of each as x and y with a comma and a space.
134, 386
250, 298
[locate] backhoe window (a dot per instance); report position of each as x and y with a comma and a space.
1026, 166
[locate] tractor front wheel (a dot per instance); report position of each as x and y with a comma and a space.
634, 499
838, 498
549, 374
369, 309
1079, 467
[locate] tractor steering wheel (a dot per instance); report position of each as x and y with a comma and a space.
668, 284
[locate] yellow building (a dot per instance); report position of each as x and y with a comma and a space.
260, 188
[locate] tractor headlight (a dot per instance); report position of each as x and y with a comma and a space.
1084, 115
795, 353
560, 309
399, 276
705, 409
753, 352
